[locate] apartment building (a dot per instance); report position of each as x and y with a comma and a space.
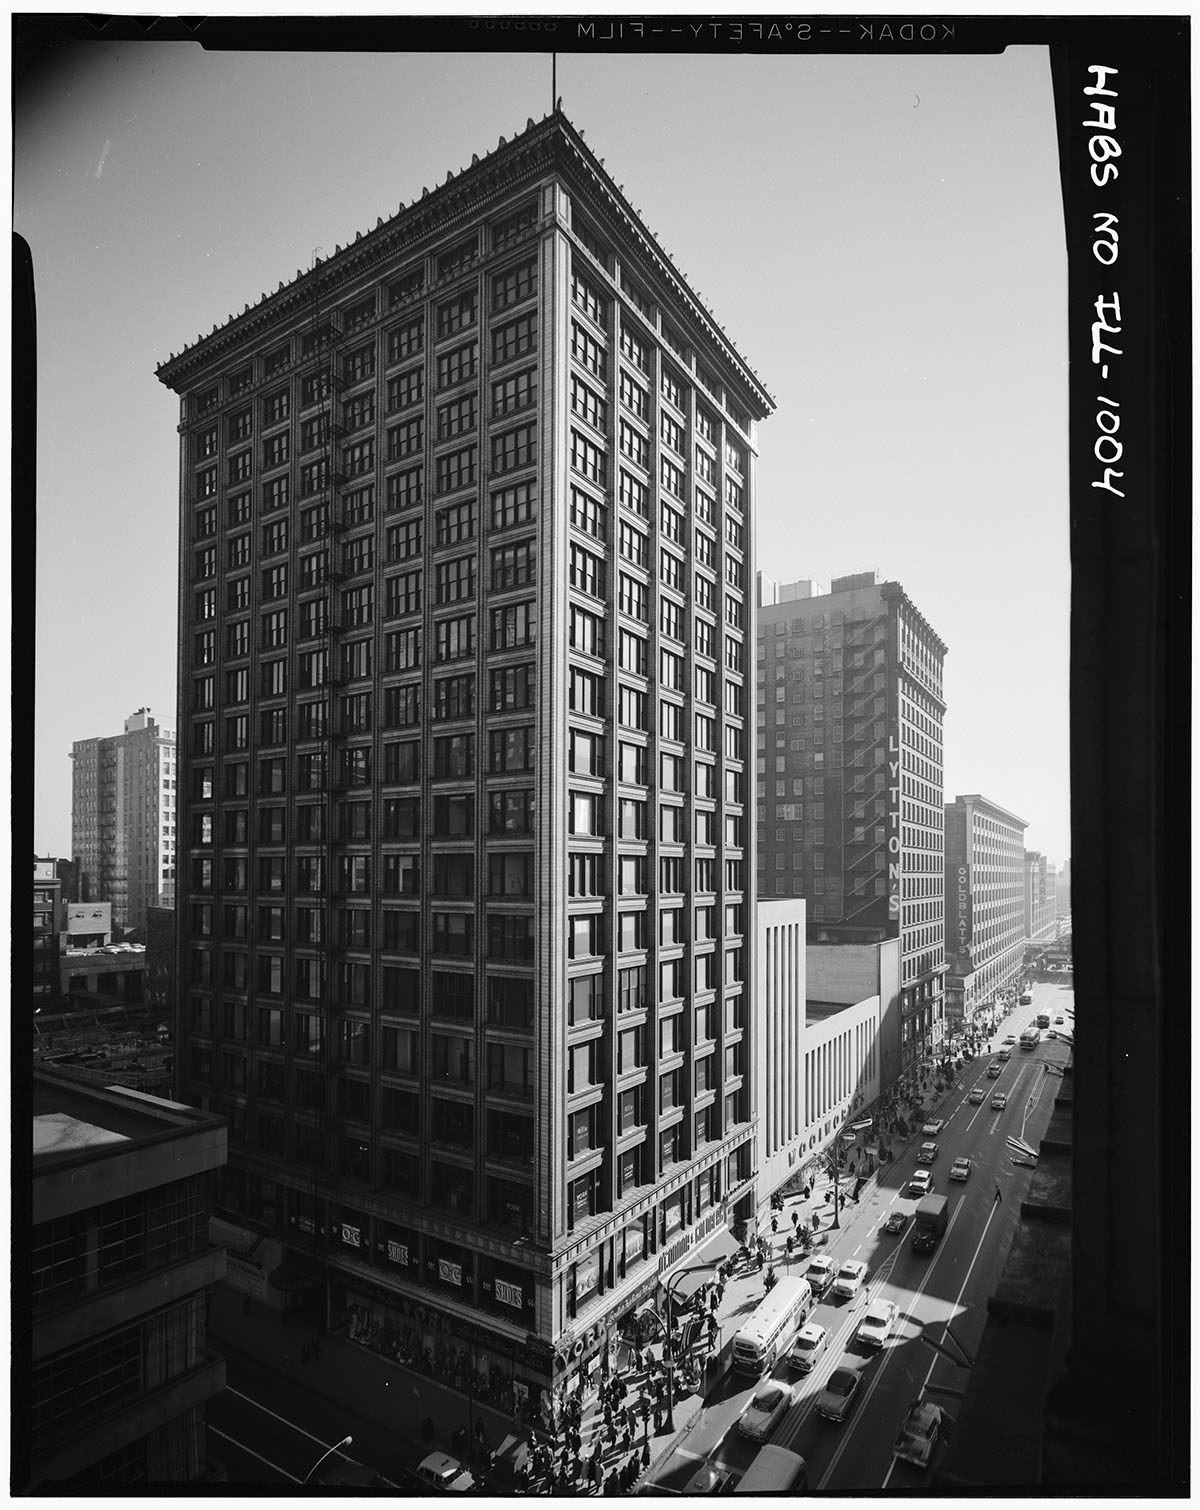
985, 902
849, 782
466, 911
1040, 908
123, 802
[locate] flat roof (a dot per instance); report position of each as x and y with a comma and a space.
73, 1116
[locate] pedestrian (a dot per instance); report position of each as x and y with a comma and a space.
795, 1217
997, 1198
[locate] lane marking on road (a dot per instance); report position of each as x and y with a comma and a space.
946, 1327
250, 1452
888, 1353
266, 1410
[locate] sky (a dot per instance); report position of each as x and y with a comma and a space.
880, 237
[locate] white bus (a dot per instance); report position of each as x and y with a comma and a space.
769, 1331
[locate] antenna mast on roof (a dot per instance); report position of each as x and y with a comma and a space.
553, 82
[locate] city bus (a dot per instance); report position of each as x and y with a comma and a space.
1030, 1038
1043, 1019
770, 1329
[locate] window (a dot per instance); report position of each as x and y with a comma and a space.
359, 364
586, 632
455, 638
671, 477
455, 579
454, 697
588, 514
585, 753
454, 934
514, 505
456, 469
512, 393
633, 705
404, 593
587, 350
634, 494
586, 572
515, 283
633, 348
404, 439
514, 448
593, 304
670, 619
275, 453
513, 565
405, 490
401, 706
458, 366
401, 762
514, 626
510, 750
585, 693
405, 389
514, 339
633, 597
511, 688
633, 653
457, 417
406, 340
634, 396
454, 755
457, 314
633, 444
358, 555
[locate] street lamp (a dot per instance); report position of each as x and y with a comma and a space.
337, 1447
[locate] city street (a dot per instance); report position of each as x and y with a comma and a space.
948, 1288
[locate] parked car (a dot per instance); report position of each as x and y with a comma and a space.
960, 1169
811, 1341
976, 1096
849, 1279
999, 1101
768, 1405
876, 1326
919, 1433
440, 1471
835, 1400
819, 1273
921, 1182
932, 1127
927, 1153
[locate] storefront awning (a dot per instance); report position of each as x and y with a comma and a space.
697, 1267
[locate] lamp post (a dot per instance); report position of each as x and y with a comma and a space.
337, 1447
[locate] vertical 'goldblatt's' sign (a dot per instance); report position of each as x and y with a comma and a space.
1104, 148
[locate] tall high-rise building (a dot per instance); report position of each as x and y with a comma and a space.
985, 902
1039, 896
850, 795
466, 913
123, 818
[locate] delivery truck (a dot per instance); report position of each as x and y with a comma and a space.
929, 1223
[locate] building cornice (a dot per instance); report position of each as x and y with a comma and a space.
544, 148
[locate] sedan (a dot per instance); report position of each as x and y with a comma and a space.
927, 1153
999, 1101
440, 1471
919, 1433
1010, 1040
960, 1169
1059, 1022
921, 1182
709, 1480
836, 1398
995, 1070
820, 1273
932, 1127
810, 1343
849, 1278
895, 1222
876, 1326
976, 1097
768, 1405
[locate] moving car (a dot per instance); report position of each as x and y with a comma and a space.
849, 1278
768, 1405
927, 1153
810, 1343
440, 1471
1005, 1055
835, 1400
999, 1101
1026, 999
932, 1127
976, 1096
895, 1222
876, 1326
961, 1168
995, 1070
919, 1433
774, 1470
921, 1182
1059, 1021
819, 1273
1011, 1039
